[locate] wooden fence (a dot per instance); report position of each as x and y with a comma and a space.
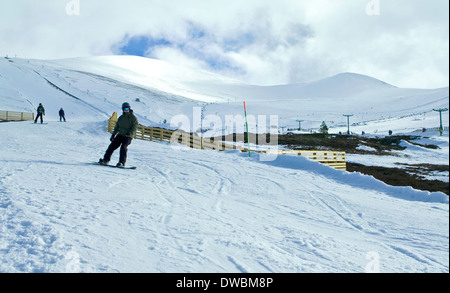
15, 116
172, 136
330, 158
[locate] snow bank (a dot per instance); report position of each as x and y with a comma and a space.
355, 179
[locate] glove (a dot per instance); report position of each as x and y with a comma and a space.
112, 137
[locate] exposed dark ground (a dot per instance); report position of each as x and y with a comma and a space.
403, 177
409, 175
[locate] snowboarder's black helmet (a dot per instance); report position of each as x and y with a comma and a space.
126, 105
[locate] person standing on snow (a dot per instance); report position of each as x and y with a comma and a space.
62, 115
121, 137
40, 112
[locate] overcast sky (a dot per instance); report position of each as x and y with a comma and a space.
402, 42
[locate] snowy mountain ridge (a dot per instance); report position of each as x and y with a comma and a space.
165, 90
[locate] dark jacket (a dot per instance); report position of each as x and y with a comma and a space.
126, 125
41, 110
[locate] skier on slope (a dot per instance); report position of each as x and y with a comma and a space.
40, 112
122, 135
62, 115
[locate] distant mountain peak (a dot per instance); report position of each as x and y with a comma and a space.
359, 78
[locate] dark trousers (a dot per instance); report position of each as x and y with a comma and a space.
38, 115
119, 141
61, 117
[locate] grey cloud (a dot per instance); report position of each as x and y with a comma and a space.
266, 41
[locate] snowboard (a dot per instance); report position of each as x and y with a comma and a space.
112, 166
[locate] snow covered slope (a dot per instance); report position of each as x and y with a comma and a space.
165, 90
201, 211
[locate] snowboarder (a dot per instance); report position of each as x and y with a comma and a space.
40, 112
62, 115
122, 135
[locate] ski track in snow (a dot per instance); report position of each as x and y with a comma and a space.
187, 210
